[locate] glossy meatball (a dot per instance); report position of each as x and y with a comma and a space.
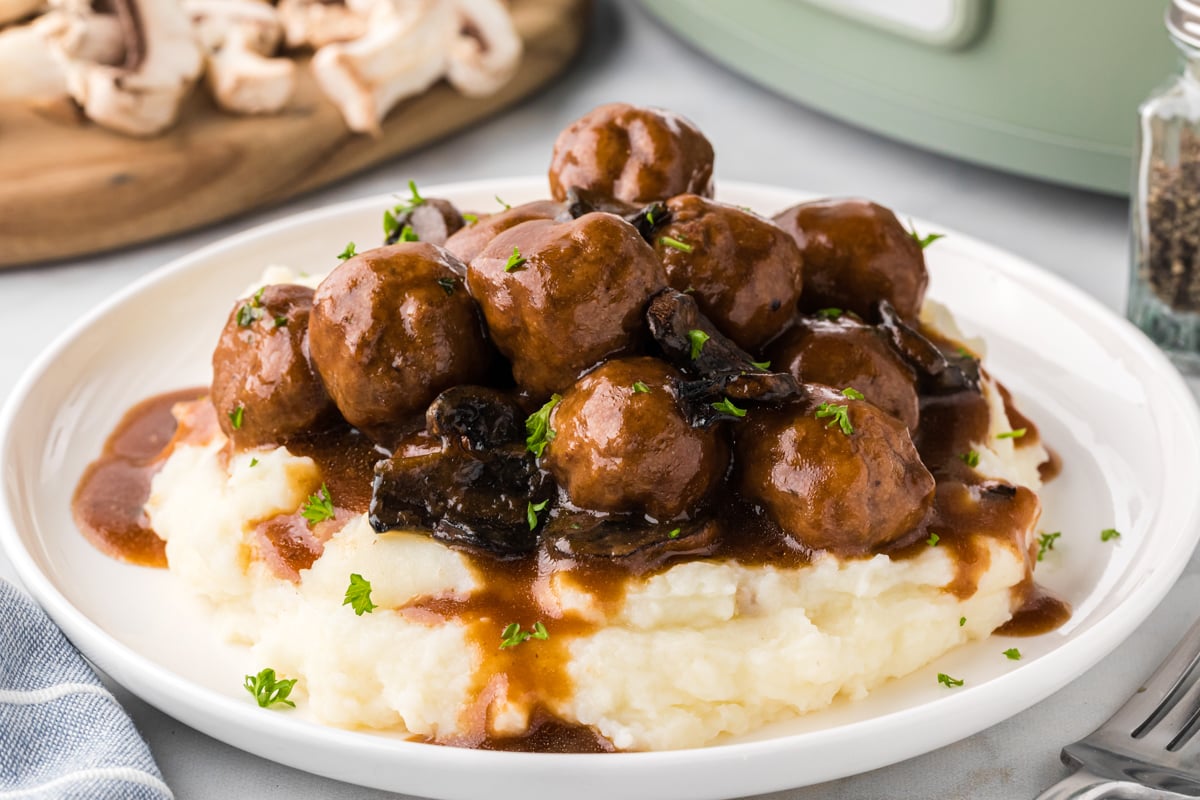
621, 443
633, 154
831, 490
856, 253
559, 297
469, 241
393, 327
845, 352
264, 387
744, 272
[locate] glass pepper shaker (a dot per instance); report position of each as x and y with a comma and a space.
1164, 291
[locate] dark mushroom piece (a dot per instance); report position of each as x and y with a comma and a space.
633, 154
559, 297
723, 371
834, 473
476, 489
391, 328
856, 253
938, 373
637, 546
264, 388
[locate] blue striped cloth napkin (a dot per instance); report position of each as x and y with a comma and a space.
63, 736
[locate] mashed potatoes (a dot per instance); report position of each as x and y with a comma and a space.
696, 651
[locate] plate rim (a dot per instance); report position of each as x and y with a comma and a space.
194, 704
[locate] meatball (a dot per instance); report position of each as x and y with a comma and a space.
633, 154
856, 253
845, 352
622, 444
391, 329
559, 297
743, 270
432, 220
264, 387
849, 484
469, 241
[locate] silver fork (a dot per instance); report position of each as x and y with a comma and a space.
1149, 749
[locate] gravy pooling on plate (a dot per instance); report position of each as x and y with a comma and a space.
577, 399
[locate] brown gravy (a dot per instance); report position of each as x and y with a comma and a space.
108, 508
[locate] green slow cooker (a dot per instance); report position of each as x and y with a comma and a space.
1046, 88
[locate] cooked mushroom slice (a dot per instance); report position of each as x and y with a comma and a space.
724, 371
432, 220
936, 372
477, 489
486, 50
238, 36
475, 418
639, 546
316, 23
402, 54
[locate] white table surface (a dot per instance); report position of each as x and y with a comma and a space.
758, 137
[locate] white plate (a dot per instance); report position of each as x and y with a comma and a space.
1119, 414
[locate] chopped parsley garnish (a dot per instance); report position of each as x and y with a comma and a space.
962, 621
470, 219
358, 595
531, 512
1013, 654
319, 506
923, 241
852, 393
697, 338
1046, 543
673, 533
650, 215
1014, 434
407, 234
236, 417
538, 432
964, 352
933, 540
726, 406
830, 313
252, 310
640, 388
970, 458
254, 462
763, 365
501, 202
837, 414
280, 321
347, 252
515, 261
678, 244
269, 690
447, 285
513, 635
416, 198
946, 680
1108, 534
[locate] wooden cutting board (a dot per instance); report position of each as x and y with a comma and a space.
68, 187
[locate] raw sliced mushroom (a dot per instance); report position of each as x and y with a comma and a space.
485, 51
315, 23
239, 36
34, 57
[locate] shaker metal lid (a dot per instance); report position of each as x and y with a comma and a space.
1183, 21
